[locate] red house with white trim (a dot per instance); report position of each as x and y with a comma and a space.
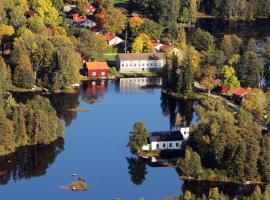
97, 69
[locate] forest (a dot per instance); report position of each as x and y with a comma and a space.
187, 11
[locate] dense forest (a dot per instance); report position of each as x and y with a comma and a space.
187, 11
34, 122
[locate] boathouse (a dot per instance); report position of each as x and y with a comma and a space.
96, 69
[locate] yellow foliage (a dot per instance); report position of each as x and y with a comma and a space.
142, 43
6, 30
135, 22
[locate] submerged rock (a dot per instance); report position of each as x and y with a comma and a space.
78, 185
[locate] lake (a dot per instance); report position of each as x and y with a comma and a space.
94, 146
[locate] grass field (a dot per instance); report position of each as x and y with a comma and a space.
121, 3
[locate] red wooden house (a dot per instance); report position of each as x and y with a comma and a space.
97, 69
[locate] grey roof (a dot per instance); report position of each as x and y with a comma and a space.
165, 136
141, 56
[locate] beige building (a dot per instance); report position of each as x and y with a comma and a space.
140, 61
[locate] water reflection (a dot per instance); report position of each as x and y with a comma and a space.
136, 169
29, 161
127, 85
180, 112
94, 88
62, 103
254, 29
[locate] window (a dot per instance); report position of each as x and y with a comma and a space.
102, 73
157, 146
123, 65
164, 145
170, 144
94, 73
177, 144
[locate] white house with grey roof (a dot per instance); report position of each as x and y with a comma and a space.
167, 140
140, 61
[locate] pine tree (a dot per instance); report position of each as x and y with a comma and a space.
187, 73
138, 137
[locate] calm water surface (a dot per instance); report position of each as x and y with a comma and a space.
94, 146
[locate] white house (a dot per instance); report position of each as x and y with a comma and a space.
88, 24
167, 140
113, 40
69, 7
140, 61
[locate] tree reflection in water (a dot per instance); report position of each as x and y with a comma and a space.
62, 103
29, 161
180, 112
136, 169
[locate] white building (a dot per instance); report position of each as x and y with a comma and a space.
168, 140
68, 7
88, 24
113, 40
140, 61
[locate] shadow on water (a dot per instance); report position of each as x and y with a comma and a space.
29, 161
180, 112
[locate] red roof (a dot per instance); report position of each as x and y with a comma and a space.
225, 90
78, 19
97, 65
109, 37
240, 92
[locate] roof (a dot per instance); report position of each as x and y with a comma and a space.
78, 19
165, 136
166, 48
109, 37
141, 56
240, 92
96, 65
156, 43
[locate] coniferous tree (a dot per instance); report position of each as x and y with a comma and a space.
138, 137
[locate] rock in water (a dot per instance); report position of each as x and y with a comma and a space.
78, 185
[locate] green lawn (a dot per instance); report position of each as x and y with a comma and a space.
121, 3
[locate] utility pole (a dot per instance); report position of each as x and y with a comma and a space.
126, 42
